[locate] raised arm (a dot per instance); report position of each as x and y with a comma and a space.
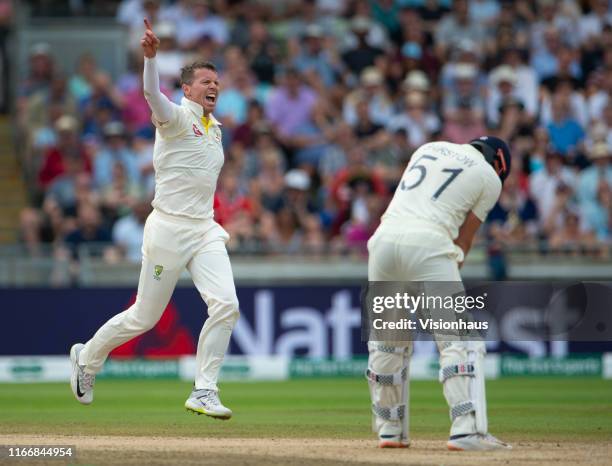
159, 103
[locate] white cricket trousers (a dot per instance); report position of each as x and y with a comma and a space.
170, 245
411, 256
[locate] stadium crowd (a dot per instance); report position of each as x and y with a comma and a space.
322, 104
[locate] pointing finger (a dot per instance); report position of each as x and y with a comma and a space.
147, 24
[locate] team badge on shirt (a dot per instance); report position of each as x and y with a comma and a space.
158, 271
196, 130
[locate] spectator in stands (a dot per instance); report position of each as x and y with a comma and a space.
592, 177
362, 53
270, 180
564, 89
314, 60
484, 11
116, 198
199, 22
230, 199
350, 184
102, 106
245, 132
89, 231
55, 95
334, 157
514, 219
136, 114
262, 53
526, 79
572, 238
464, 125
114, 150
324, 103
238, 90
41, 70
142, 145
68, 156
132, 17
368, 132
554, 182
290, 106
456, 26
597, 215
565, 132
296, 195
372, 91
80, 84
44, 227
503, 87
314, 240
591, 25
128, 231
465, 89
170, 59
417, 120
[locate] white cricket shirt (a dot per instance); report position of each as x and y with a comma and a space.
442, 183
187, 162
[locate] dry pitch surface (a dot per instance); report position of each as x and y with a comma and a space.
269, 451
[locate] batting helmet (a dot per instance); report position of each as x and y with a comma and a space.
496, 152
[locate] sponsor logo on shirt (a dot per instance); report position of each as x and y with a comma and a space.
197, 131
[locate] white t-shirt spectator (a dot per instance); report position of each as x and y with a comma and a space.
190, 29
128, 234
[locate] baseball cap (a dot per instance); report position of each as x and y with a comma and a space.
412, 50
371, 76
496, 152
465, 71
66, 123
600, 150
165, 30
361, 25
113, 129
297, 179
503, 73
314, 31
416, 80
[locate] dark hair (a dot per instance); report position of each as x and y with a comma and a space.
188, 70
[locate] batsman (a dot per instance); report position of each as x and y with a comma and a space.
179, 234
445, 193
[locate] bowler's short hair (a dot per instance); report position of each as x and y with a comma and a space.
188, 71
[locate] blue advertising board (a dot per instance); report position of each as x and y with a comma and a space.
314, 321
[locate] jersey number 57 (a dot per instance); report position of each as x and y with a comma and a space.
422, 169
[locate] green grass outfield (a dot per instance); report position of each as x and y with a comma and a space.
538, 409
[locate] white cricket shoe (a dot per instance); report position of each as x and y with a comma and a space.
207, 402
476, 442
390, 435
81, 382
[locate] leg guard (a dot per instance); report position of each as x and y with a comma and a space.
462, 375
387, 375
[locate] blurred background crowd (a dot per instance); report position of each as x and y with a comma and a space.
322, 104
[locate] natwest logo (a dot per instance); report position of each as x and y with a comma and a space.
318, 334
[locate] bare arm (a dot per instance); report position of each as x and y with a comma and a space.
466, 234
158, 102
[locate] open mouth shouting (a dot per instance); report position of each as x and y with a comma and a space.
211, 98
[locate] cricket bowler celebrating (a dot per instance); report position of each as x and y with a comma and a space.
180, 233
446, 192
